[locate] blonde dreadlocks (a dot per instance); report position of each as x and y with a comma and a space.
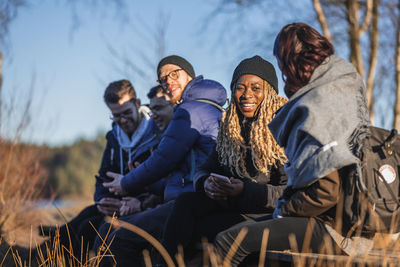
265, 152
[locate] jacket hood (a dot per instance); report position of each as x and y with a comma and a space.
200, 88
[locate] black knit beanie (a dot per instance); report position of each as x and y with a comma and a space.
257, 66
179, 61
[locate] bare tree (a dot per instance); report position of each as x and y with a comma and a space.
246, 27
382, 15
373, 56
352, 10
322, 19
354, 26
102, 8
355, 30
140, 62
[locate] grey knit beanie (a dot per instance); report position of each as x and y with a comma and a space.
257, 66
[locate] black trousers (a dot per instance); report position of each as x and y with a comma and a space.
80, 230
194, 216
278, 239
125, 246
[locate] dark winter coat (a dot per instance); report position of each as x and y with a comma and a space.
186, 142
111, 158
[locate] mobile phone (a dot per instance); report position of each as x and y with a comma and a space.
104, 179
221, 177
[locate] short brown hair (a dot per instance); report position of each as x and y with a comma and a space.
116, 90
299, 49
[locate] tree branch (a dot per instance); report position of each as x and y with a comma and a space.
373, 57
322, 19
354, 36
367, 17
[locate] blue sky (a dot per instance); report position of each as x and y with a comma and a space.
71, 67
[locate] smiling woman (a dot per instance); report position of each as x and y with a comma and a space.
322, 129
249, 94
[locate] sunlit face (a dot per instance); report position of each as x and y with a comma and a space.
162, 111
174, 80
249, 94
125, 113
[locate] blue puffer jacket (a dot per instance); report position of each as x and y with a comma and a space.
111, 160
185, 144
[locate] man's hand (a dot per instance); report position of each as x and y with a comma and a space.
115, 186
131, 167
108, 206
129, 205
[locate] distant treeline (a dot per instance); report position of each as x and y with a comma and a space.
70, 170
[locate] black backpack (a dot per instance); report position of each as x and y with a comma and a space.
370, 201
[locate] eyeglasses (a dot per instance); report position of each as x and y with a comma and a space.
173, 75
124, 114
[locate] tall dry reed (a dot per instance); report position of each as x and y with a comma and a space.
21, 180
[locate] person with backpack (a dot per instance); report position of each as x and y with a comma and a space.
321, 128
245, 153
184, 145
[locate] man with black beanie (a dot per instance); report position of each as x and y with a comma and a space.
174, 73
184, 145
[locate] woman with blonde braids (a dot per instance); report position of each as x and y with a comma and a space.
322, 128
246, 155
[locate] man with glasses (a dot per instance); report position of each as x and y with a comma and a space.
136, 136
132, 138
185, 144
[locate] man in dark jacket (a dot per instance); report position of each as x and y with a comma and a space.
184, 145
132, 138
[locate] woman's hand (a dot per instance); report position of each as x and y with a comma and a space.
212, 191
234, 188
219, 189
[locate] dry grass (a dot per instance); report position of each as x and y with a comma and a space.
21, 180
53, 254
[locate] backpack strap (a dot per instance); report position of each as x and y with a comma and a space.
211, 103
192, 152
192, 165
